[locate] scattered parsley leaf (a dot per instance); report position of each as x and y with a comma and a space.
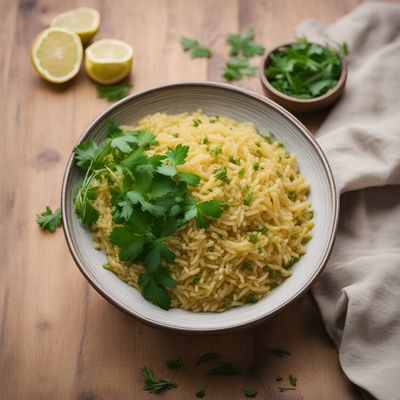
235, 161
249, 199
250, 299
224, 369
221, 174
292, 380
201, 52
253, 238
200, 394
236, 69
246, 266
196, 122
206, 210
207, 357
292, 196
242, 43
197, 50
174, 364
278, 352
114, 92
256, 166
241, 172
188, 44
153, 385
49, 221
250, 392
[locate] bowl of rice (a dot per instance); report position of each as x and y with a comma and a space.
199, 207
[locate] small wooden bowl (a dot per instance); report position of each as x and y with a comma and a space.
299, 105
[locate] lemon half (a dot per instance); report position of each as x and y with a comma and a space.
108, 61
84, 21
57, 54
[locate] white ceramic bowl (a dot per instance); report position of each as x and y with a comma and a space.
213, 99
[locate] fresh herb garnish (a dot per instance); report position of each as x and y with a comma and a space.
305, 70
256, 166
196, 122
153, 385
114, 92
292, 196
216, 151
221, 174
150, 201
246, 266
196, 49
224, 369
250, 299
250, 392
48, 220
174, 364
253, 238
207, 357
243, 44
233, 160
292, 380
279, 352
200, 394
238, 68
241, 172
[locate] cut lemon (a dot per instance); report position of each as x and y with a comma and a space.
57, 54
84, 21
108, 61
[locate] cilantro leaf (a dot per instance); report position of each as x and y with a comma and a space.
85, 211
137, 198
200, 393
243, 43
153, 292
167, 170
134, 159
238, 68
197, 50
130, 244
292, 380
48, 220
161, 185
114, 92
157, 252
85, 154
201, 52
224, 369
143, 178
190, 179
208, 209
188, 44
178, 155
122, 143
250, 392
112, 128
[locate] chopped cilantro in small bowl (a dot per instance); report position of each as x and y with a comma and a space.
303, 76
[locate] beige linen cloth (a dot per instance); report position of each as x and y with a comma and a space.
359, 291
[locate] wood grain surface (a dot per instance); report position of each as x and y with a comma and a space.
58, 338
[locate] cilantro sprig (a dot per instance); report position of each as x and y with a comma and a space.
153, 385
150, 200
196, 49
114, 92
49, 220
305, 70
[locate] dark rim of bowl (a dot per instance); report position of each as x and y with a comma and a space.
307, 135
267, 84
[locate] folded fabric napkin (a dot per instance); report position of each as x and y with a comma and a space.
359, 291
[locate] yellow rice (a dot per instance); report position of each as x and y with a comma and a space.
221, 267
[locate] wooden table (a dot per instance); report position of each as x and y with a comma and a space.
59, 339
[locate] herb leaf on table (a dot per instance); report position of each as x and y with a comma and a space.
49, 220
153, 385
114, 92
196, 49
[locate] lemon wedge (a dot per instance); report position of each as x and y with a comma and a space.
84, 21
57, 54
108, 61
